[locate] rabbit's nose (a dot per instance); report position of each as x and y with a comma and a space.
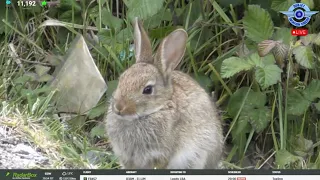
118, 107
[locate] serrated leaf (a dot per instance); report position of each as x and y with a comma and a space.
259, 118
304, 56
281, 5
297, 104
45, 78
144, 9
254, 110
268, 75
257, 23
265, 47
312, 91
234, 65
255, 60
254, 100
284, 158
311, 39
41, 70
280, 52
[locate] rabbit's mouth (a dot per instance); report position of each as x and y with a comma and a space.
137, 115
130, 117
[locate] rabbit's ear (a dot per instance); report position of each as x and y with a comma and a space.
142, 45
171, 51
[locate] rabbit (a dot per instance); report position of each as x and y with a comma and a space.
159, 117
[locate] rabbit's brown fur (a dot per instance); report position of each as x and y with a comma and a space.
177, 126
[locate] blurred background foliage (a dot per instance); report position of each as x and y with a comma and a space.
265, 81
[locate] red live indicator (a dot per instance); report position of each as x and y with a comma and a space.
299, 32
241, 178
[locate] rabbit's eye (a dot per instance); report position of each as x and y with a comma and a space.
147, 90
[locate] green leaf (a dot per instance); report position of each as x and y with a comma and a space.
254, 110
311, 39
105, 37
304, 56
317, 105
257, 23
312, 91
302, 146
161, 32
110, 20
255, 60
226, 3
297, 104
191, 13
285, 158
268, 75
97, 111
234, 65
69, 4
22, 79
143, 9
67, 17
284, 35
124, 35
259, 118
281, 5
242, 125
98, 131
254, 100
41, 70
309, 3
77, 122
204, 81
269, 59
45, 78
112, 85
155, 20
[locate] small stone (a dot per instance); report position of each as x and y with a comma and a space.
24, 149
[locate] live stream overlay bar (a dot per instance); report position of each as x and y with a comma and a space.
67, 174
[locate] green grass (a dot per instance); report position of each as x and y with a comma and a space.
286, 138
